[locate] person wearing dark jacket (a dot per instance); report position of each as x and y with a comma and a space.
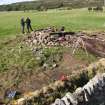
22, 25
28, 23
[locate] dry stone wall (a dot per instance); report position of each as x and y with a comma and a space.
86, 94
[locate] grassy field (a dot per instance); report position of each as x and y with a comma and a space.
76, 20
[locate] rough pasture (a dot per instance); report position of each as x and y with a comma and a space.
76, 20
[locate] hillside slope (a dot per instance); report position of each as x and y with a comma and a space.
47, 4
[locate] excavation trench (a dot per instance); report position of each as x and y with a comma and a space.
46, 39
85, 86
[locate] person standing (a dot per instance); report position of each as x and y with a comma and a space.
22, 25
28, 23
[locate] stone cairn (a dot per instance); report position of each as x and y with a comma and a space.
50, 37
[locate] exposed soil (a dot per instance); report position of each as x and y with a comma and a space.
32, 80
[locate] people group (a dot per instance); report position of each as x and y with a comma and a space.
26, 23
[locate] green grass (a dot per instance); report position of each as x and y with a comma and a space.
17, 60
83, 56
75, 20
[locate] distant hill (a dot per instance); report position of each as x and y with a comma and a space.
49, 4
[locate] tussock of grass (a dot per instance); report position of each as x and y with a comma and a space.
82, 55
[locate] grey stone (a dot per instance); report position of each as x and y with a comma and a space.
59, 102
72, 99
65, 100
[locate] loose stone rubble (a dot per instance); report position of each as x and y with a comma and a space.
49, 37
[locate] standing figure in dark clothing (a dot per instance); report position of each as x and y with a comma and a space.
62, 30
28, 23
22, 25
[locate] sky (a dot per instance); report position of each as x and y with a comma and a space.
11, 1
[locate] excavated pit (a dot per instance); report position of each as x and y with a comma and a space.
90, 42
91, 91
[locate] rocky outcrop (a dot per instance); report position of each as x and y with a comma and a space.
86, 94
